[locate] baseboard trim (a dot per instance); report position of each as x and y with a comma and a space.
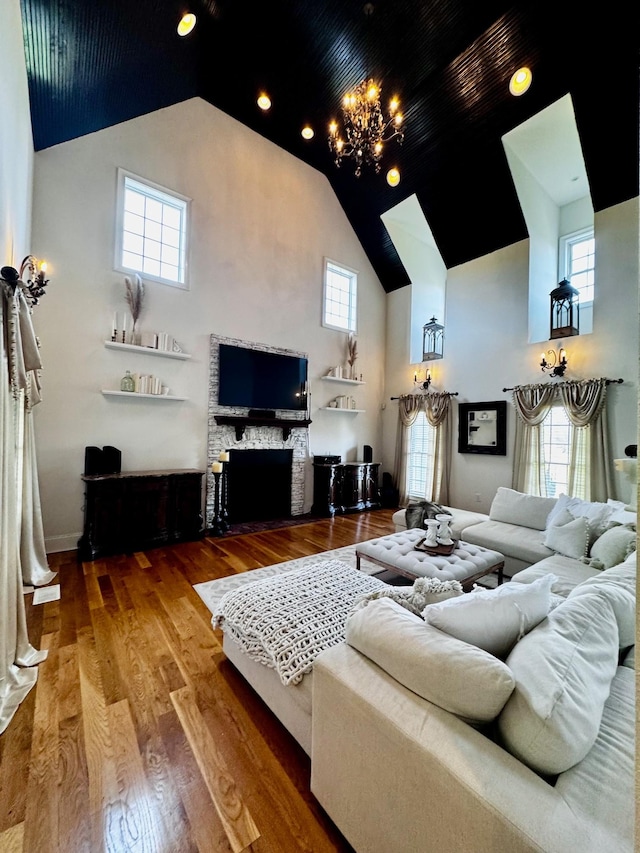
67, 542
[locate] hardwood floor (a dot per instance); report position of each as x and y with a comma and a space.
140, 735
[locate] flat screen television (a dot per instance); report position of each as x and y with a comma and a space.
261, 380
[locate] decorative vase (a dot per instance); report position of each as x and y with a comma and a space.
431, 537
444, 530
127, 382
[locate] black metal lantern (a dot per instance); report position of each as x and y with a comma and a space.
432, 340
564, 318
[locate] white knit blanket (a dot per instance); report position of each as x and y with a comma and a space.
285, 621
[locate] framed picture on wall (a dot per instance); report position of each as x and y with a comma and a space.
482, 428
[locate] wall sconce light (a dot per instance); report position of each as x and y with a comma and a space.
432, 340
427, 380
36, 283
557, 363
564, 317
32, 286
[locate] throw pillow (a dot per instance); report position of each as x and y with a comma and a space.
493, 619
613, 546
596, 513
460, 678
563, 672
416, 513
569, 537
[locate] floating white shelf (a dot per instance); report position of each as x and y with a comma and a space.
135, 396
344, 381
336, 409
147, 350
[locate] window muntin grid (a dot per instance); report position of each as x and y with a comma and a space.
578, 254
152, 232
340, 297
421, 458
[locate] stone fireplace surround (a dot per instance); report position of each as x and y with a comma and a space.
223, 437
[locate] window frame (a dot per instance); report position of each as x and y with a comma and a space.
165, 196
352, 276
566, 242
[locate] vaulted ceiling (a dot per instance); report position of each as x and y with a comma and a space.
93, 65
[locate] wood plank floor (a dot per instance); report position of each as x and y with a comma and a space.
140, 735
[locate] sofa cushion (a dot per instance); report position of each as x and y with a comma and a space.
613, 546
458, 677
514, 507
523, 543
597, 514
569, 573
493, 619
602, 784
563, 670
618, 584
568, 536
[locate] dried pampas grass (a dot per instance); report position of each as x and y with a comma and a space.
134, 296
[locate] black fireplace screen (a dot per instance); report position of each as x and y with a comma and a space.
259, 485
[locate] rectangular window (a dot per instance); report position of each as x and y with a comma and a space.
340, 297
578, 261
421, 459
560, 466
151, 230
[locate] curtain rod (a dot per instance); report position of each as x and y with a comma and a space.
448, 393
568, 381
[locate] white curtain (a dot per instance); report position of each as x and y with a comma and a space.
19, 362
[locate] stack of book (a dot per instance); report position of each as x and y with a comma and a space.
147, 384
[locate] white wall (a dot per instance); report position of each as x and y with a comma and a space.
262, 222
486, 347
16, 145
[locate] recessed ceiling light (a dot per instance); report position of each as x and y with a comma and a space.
307, 132
187, 23
520, 81
393, 177
264, 102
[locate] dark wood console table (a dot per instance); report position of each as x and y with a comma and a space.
345, 487
136, 510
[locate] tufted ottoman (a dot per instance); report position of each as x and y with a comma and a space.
397, 554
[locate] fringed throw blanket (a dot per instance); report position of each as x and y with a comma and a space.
285, 621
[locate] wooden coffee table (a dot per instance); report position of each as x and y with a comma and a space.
397, 553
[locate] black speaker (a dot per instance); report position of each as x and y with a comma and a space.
367, 453
111, 460
93, 461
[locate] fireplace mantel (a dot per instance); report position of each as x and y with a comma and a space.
240, 423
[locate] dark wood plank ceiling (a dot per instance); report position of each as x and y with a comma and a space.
92, 65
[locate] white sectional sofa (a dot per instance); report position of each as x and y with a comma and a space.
421, 741
552, 771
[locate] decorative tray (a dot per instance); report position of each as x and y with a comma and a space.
436, 550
